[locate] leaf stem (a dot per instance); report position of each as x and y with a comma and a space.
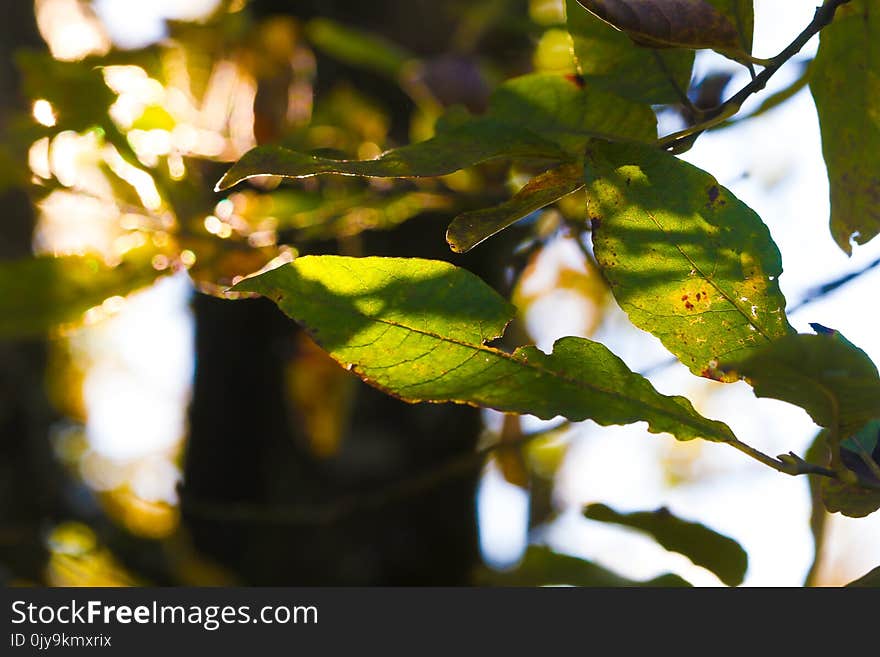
794, 465
680, 141
777, 464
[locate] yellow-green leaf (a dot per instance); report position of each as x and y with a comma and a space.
357, 48
686, 259
418, 329
846, 87
538, 116
39, 293
570, 114
471, 228
463, 146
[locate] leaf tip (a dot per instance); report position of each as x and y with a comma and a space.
225, 182
456, 245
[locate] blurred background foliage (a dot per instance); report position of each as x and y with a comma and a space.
113, 140
154, 433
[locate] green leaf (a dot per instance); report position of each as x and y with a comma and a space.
471, 228
417, 329
461, 147
39, 293
551, 106
357, 48
846, 88
608, 59
860, 454
76, 89
825, 374
849, 499
543, 567
723, 25
871, 579
355, 212
686, 259
704, 547
838, 385
570, 114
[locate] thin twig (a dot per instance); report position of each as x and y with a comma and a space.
678, 142
331, 512
830, 287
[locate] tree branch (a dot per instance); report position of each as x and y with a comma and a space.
830, 287
679, 142
336, 510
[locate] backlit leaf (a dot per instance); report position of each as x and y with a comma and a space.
838, 385
447, 152
541, 566
570, 115
357, 48
686, 259
846, 87
723, 25
825, 374
469, 229
564, 115
417, 329
608, 59
39, 293
76, 89
703, 546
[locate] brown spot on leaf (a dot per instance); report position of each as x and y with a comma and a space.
576, 80
712, 373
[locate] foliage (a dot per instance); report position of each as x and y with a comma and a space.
720, 554
684, 258
844, 76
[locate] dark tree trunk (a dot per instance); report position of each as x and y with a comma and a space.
29, 478
258, 501
255, 497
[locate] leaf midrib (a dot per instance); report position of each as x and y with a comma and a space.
577, 383
711, 281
